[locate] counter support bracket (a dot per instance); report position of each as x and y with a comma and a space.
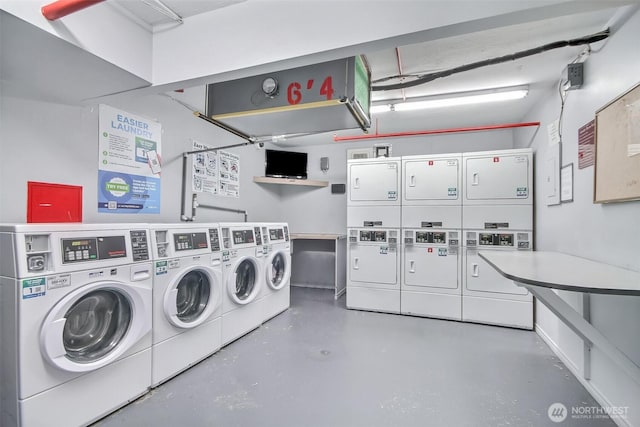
585, 330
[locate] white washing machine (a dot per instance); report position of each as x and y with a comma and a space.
431, 284
243, 279
275, 296
373, 270
487, 296
75, 321
187, 296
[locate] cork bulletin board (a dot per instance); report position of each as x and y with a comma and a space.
617, 158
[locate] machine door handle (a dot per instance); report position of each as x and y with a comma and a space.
412, 266
355, 264
356, 183
475, 270
412, 181
476, 179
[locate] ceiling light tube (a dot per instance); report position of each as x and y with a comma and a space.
383, 108
467, 98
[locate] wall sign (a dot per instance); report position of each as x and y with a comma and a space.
215, 172
129, 163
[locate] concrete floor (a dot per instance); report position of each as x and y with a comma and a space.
319, 364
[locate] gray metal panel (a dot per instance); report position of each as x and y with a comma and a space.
312, 99
246, 94
319, 119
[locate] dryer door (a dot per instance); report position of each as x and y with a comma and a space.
244, 280
278, 269
94, 325
192, 297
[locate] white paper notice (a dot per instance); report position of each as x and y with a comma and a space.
205, 170
553, 130
215, 172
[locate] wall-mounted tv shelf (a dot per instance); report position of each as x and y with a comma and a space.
290, 181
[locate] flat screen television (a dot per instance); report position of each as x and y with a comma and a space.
285, 164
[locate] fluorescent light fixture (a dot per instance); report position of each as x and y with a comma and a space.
464, 98
380, 108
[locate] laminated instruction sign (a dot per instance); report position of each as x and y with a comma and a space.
129, 163
215, 172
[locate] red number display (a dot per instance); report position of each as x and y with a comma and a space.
294, 90
294, 96
327, 88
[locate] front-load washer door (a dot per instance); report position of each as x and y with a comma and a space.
278, 270
93, 326
244, 280
192, 297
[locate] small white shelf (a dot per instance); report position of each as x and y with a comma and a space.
290, 181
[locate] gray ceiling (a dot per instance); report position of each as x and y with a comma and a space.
540, 72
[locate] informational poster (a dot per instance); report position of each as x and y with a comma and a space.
586, 145
205, 170
229, 174
129, 163
215, 172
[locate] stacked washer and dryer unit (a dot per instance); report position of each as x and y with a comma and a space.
75, 321
453, 205
373, 229
431, 230
497, 215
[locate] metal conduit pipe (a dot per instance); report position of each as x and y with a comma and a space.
61, 8
218, 208
434, 131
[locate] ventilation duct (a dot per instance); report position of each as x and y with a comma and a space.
323, 97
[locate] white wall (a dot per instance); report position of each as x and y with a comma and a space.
310, 209
100, 29
603, 232
57, 143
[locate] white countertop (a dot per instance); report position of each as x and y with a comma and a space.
565, 272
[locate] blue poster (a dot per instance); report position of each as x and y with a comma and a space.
129, 165
124, 193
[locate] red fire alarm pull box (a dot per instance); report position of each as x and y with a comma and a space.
48, 202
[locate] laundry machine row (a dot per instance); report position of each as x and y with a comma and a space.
256, 271
425, 210
94, 315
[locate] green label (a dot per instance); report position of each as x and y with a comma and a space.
116, 186
161, 267
32, 288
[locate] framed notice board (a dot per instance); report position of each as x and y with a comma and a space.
617, 157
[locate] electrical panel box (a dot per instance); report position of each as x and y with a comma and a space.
573, 76
47, 202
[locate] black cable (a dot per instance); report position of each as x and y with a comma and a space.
511, 57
